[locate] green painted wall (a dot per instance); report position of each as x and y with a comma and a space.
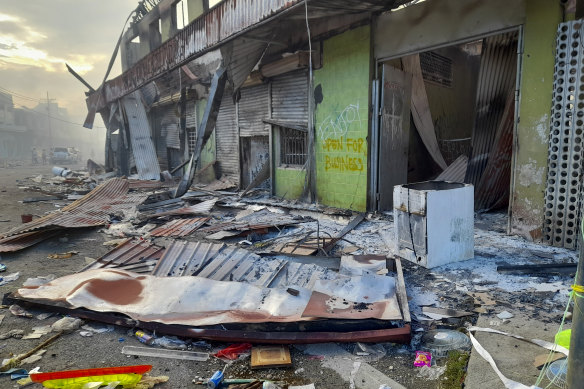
542, 19
342, 121
289, 182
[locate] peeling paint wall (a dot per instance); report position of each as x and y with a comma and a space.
542, 19
342, 121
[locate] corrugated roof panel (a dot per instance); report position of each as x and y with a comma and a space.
93, 209
180, 227
135, 255
141, 138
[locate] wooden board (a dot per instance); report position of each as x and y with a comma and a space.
402, 296
270, 356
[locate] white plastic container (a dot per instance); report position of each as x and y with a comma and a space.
434, 222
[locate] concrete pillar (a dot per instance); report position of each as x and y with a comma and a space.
531, 152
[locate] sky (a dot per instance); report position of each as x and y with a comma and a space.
37, 38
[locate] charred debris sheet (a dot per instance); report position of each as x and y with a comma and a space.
219, 292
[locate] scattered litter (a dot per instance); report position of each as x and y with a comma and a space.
563, 338
299, 371
423, 358
161, 353
12, 334
98, 330
16, 361
38, 332
233, 351
270, 356
67, 324
149, 382
9, 278
440, 342
68, 254
557, 373
2, 267
38, 281
309, 386
17, 310
44, 315
170, 342
440, 313
547, 345
86, 334
505, 315
33, 358
485, 354
431, 372
542, 359
144, 337
114, 242
372, 352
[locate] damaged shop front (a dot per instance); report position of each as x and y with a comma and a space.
338, 105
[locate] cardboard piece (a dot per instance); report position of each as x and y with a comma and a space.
270, 356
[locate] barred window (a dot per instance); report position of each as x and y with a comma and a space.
192, 140
293, 146
436, 68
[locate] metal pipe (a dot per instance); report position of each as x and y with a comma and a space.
576, 359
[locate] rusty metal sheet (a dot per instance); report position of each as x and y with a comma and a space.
226, 21
201, 301
393, 333
135, 255
22, 241
93, 209
197, 209
180, 227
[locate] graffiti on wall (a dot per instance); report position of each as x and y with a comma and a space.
333, 134
337, 124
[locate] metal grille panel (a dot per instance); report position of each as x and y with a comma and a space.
562, 206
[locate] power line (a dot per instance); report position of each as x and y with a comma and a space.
52, 117
19, 95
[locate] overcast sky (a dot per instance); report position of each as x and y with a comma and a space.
37, 38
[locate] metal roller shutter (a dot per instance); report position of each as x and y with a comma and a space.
227, 139
191, 114
253, 109
290, 97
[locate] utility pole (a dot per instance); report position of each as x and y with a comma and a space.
576, 359
49, 120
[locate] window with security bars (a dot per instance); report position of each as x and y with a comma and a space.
436, 68
293, 147
192, 140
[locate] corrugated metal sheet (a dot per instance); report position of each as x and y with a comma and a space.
563, 197
456, 171
93, 209
22, 241
138, 256
219, 262
227, 20
142, 145
197, 209
253, 109
496, 79
290, 97
227, 139
240, 56
180, 227
222, 22
492, 191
